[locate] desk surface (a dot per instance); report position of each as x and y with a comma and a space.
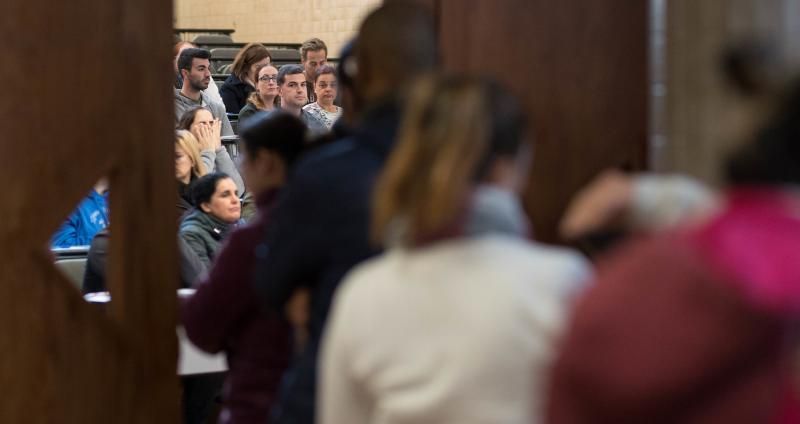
191, 360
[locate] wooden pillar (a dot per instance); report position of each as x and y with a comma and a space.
87, 93
581, 69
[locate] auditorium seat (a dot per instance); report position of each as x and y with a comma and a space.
222, 56
73, 269
282, 57
202, 39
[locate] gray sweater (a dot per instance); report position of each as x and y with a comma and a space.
220, 161
183, 103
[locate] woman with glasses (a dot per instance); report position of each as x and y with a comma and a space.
266, 94
325, 88
206, 130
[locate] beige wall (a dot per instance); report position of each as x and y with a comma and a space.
283, 21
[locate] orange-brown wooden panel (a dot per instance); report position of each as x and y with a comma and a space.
86, 93
581, 69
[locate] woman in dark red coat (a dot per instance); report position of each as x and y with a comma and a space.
225, 315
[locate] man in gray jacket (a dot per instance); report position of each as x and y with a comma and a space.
195, 68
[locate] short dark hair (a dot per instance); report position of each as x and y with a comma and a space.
277, 131
187, 119
187, 55
204, 187
288, 70
326, 69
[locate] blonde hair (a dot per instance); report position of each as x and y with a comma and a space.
440, 144
188, 143
453, 130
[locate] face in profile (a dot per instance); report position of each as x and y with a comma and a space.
293, 91
224, 203
183, 165
326, 88
199, 76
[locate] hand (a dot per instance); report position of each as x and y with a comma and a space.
216, 130
204, 135
598, 206
297, 313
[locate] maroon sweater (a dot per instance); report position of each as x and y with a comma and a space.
225, 315
690, 326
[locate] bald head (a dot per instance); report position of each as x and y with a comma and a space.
396, 43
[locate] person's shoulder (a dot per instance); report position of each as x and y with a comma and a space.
250, 233
191, 223
535, 258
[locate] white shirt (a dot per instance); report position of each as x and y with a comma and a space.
459, 332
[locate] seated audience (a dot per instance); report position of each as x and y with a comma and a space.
212, 91
216, 212
242, 80
479, 307
292, 92
200, 122
266, 94
225, 314
195, 69
694, 324
326, 88
89, 218
313, 55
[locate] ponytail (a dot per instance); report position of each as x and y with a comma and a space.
442, 143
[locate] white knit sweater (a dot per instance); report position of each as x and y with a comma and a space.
460, 332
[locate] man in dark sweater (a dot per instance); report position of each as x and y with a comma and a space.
320, 227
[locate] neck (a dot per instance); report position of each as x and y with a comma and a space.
328, 107
268, 101
291, 109
190, 92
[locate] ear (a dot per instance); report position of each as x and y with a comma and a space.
205, 208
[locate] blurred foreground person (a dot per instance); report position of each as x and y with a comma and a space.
693, 325
457, 322
320, 227
225, 314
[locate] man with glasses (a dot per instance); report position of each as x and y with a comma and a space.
293, 94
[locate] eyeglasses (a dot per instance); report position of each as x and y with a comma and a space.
268, 78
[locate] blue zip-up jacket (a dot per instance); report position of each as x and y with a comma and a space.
88, 219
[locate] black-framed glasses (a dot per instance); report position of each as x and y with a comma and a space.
268, 78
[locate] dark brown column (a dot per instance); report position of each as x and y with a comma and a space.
581, 69
86, 93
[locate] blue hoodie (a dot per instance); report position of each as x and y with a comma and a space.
90, 217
